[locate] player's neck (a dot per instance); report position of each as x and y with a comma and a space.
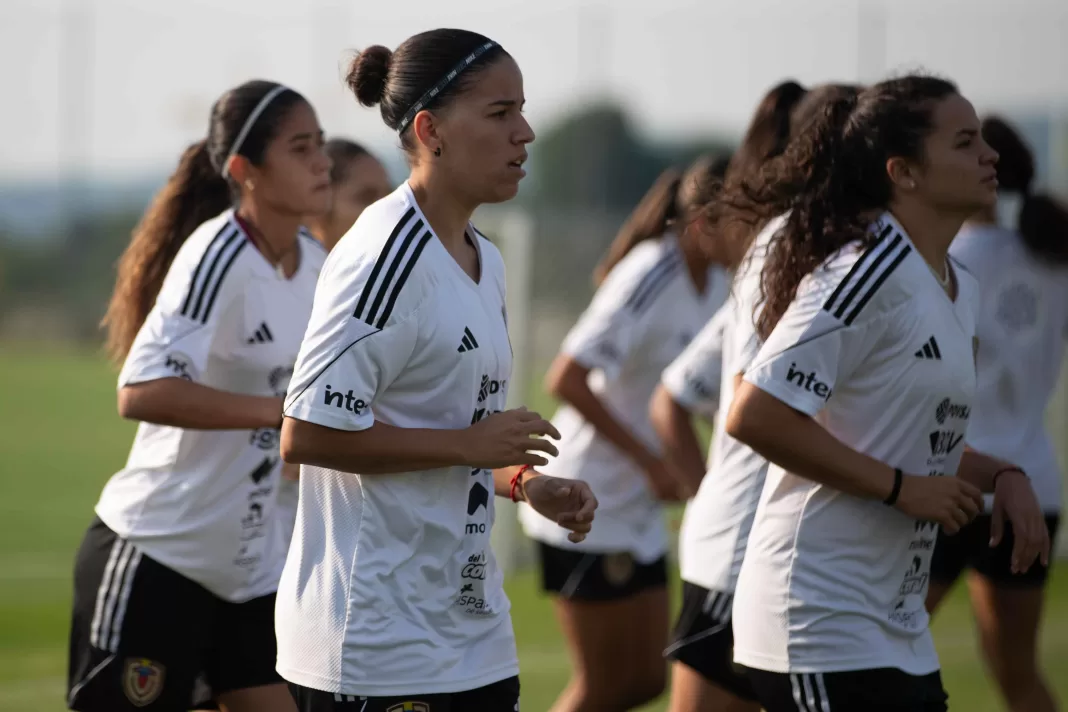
931, 231
446, 211
278, 230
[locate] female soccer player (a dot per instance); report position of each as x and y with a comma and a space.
176, 575
716, 524
391, 598
659, 283
1018, 253
829, 605
357, 179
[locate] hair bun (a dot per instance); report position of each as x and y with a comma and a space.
368, 73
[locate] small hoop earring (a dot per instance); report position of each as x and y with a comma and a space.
437, 151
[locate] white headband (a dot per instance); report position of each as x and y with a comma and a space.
249, 123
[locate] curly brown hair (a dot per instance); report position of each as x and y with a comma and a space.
831, 181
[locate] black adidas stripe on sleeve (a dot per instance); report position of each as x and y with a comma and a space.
382, 290
878, 262
654, 282
208, 276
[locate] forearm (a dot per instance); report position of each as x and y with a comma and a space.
378, 450
185, 404
800, 445
674, 426
502, 481
592, 409
979, 469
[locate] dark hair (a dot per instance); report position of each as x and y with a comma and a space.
778, 117
769, 129
1043, 222
398, 79
194, 193
673, 197
342, 152
832, 180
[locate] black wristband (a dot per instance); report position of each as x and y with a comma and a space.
899, 476
1005, 471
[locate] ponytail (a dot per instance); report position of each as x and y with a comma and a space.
194, 193
1043, 226
650, 219
816, 184
1042, 221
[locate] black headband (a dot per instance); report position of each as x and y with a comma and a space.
442, 83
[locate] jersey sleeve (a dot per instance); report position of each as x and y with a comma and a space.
693, 378
614, 322
362, 333
182, 331
833, 323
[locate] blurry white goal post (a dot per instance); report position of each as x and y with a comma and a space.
513, 232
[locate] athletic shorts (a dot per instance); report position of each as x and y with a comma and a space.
881, 690
588, 576
500, 696
970, 548
141, 634
703, 640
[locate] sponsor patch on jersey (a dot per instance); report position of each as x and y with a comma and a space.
142, 681
617, 568
409, 707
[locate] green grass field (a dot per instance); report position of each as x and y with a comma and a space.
60, 439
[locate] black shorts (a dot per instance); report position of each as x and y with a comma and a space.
882, 690
141, 634
703, 639
586, 576
970, 547
500, 696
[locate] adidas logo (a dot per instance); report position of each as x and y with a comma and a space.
468, 343
930, 350
263, 335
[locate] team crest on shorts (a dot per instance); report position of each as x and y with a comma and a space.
617, 568
142, 681
410, 707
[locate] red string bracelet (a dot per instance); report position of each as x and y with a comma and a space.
515, 480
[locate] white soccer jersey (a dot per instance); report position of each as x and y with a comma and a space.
203, 502
1023, 320
875, 351
715, 527
390, 586
644, 314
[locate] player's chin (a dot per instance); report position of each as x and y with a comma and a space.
317, 202
502, 190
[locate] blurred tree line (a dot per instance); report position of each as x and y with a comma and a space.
587, 172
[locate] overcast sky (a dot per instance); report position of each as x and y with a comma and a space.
122, 85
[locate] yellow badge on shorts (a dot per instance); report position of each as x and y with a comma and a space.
142, 681
617, 568
410, 707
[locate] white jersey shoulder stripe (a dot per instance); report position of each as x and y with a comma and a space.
214, 264
654, 282
864, 287
367, 308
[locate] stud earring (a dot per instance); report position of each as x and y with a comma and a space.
437, 151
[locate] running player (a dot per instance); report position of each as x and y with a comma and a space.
357, 179
176, 575
657, 286
1018, 253
391, 598
716, 525
829, 606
